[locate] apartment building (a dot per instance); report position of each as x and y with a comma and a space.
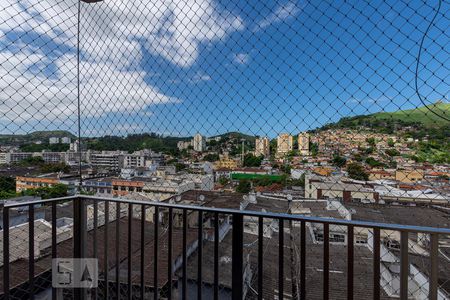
199, 143
2, 158
51, 157
285, 144
66, 140
262, 147
15, 157
124, 187
317, 187
98, 185
53, 140
303, 143
111, 160
27, 182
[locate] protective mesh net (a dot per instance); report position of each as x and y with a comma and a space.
329, 100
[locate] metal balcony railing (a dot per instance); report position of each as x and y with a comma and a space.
147, 269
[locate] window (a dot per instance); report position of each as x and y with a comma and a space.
361, 240
337, 238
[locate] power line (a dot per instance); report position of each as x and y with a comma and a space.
418, 62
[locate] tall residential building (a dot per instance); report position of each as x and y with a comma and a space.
15, 157
2, 158
303, 143
142, 158
74, 146
199, 142
53, 140
285, 144
66, 140
112, 160
262, 147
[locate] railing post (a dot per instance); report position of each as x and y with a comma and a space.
434, 272
79, 238
237, 260
5, 253
404, 265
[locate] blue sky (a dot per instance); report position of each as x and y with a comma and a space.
259, 67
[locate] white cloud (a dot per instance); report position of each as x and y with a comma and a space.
241, 58
280, 14
112, 34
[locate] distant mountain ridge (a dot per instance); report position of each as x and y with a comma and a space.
420, 119
236, 135
35, 136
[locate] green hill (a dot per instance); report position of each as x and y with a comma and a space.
236, 135
420, 118
48, 134
43, 136
421, 115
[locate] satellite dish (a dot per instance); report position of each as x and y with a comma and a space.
245, 197
178, 198
202, 198
289, 197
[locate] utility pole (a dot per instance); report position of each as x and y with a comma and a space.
242, 155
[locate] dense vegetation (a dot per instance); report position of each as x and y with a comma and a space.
37, 161
421, 122
432, 131
135, 142
356, 171
44, 147
251, 160
7, 187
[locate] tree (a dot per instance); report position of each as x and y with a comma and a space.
7, 184
392, 152
390, 142
244, 186
373, 162
338, 161
211, 157
314, 148
371, 141
58, 167
179, 166
368, 150
286, 169
298, 182
32, 161
223, 180
252, 161
356, 171
56, 191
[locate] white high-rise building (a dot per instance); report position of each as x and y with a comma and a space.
53, 140
75, 146
65, 140
199, 143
